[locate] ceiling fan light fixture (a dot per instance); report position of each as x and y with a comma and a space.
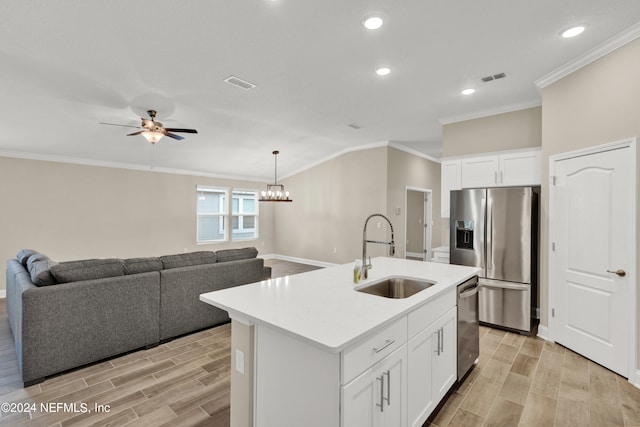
152, 136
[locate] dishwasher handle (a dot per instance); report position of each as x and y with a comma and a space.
469, 292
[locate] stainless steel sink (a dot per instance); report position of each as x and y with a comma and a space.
396, 287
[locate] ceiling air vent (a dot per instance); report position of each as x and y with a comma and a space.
493, 77
242, 84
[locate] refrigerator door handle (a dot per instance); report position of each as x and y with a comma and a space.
504, 285
489, 237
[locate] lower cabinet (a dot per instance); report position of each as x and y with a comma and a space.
431, 362
377, 397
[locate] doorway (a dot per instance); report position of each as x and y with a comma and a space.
418, 223
592, 254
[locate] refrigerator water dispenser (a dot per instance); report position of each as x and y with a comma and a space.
464, 234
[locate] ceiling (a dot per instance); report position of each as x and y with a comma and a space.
69, 64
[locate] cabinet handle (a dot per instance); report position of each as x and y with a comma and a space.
495, 177
388, 398
441, 341
387, 343
501, 178
437, 351
381, 404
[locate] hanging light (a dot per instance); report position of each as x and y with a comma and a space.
275, 192
152, 136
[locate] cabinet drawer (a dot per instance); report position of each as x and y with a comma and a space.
376, 347
425, 315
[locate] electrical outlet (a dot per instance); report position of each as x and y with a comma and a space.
335, 250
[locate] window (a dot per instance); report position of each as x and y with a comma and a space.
212, 212
244, 215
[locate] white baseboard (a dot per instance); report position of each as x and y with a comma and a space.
636, 380
415, 254
298, 260
3, 293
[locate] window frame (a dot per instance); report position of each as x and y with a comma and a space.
255, 215
225, 223
223, 215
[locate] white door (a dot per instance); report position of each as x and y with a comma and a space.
593, 263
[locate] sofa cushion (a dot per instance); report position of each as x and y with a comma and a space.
24, 254
39, 267
185, 260
236, 254
142, 265
88, 269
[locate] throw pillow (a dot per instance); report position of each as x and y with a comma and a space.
39, 267
24, 254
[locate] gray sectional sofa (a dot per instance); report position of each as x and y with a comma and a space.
68, 314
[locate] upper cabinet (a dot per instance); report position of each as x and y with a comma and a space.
450, 180
503, 170
506, 169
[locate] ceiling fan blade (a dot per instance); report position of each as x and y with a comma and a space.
135, 133
114, 124
181, 130
174, 136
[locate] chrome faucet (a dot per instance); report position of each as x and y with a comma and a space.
392, 246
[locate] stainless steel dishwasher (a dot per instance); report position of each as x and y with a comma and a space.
468, 326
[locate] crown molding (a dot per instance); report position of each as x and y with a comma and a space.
119, 165
411, 151
590, 56
491, 112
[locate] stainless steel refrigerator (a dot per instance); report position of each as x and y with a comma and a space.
496, 229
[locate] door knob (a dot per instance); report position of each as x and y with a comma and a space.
619, 272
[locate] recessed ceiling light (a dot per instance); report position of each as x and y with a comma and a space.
383, 71
572, 32
468, 91
373, 23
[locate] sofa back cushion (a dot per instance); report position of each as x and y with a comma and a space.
236, 254
88, 269
39, 267
188, 259
24, 254
142, 265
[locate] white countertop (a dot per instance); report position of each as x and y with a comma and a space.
322, 307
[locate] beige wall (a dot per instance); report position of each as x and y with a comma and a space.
331, 201
508, 131
597, 104
70, 211
415, 216
404, 169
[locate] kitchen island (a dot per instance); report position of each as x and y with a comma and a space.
311, 350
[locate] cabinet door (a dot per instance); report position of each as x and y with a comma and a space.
480, 172
376, 398
444, 360
394, 373
359, 399
522, 168
420, 353
450, 180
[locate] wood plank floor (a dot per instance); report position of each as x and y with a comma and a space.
519, 381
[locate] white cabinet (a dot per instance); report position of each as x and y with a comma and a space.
431, 362
450, 180
377, 397
521, 168
501, 170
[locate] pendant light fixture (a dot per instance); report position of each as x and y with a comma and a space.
275, 192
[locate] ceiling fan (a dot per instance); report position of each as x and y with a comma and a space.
153, 131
